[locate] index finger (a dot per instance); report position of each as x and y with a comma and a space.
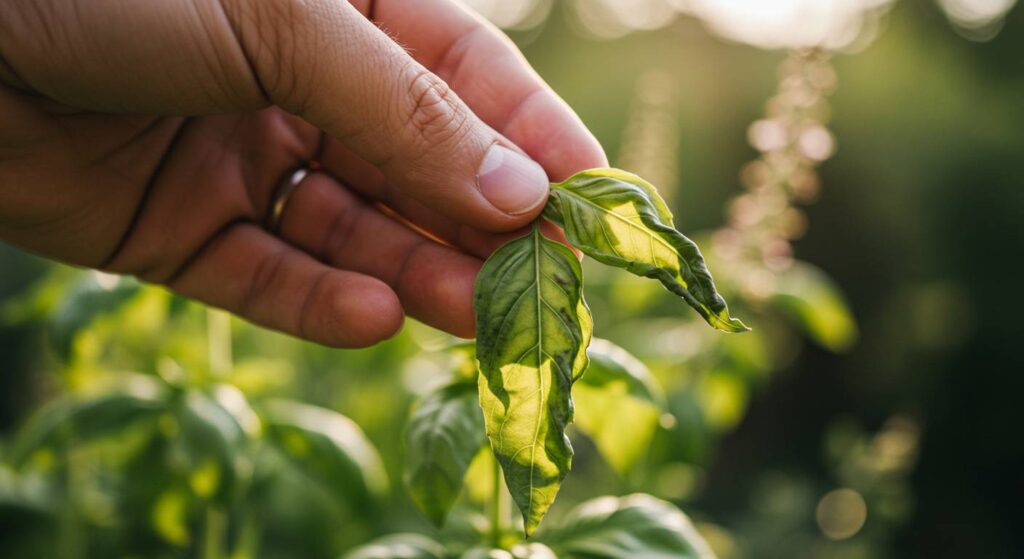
490, 74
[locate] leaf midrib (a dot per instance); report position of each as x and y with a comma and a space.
624, 219
540, 357
715, 318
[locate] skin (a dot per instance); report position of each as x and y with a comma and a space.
148, 138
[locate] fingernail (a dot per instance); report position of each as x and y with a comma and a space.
512, 182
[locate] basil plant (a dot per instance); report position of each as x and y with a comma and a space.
534, 352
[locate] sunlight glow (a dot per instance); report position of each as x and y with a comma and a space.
978, 20
834, 24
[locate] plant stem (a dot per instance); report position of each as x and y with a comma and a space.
498, 506
218, 341
71, 540
216, 532
247, 546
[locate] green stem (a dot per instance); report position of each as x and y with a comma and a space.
214, 540
218, 341
70, 543
499, 506
248, 538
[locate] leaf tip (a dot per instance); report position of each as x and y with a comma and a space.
736, 326
529, 527
726, 323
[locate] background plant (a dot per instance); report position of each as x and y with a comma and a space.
764, 434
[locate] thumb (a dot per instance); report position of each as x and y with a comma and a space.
340, 72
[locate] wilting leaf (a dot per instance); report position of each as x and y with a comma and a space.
619, 219
618, 404
533, 328
399, 546
327, 447
809, 296
76, 420
443, 435
632, 526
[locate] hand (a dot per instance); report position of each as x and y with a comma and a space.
148, 138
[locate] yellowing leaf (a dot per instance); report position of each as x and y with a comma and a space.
619, 219
533, 328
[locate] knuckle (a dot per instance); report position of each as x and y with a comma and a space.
436, 116
275, 37
340, 233
261, 282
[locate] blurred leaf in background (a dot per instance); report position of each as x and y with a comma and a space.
856, 167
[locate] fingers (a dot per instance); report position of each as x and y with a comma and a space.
433, 282
368, 181
259, 277
492, 77
324, 61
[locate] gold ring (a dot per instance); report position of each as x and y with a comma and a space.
281, 197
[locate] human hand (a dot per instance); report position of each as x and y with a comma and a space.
149, 138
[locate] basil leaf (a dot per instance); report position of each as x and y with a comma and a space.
327, 447
214, 446
632, 526
619, 219
533, 328
813, 300
77, 420
520, 551
616, 380
399, 546
444, 433
84, 302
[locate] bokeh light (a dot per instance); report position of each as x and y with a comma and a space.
841, 513
979, 20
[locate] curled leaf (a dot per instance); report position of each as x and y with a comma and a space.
619, 219
533, 328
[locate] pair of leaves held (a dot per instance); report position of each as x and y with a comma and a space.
534, 327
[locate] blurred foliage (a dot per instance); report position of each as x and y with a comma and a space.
130, 427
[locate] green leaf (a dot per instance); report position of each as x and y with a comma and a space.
533, 328
618, 404
520, 551
78, 420
328, 448
619, 219
445, 432
464, 360
807, 295
214, 445
399, 546
89, 298
533, 551
632, 526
